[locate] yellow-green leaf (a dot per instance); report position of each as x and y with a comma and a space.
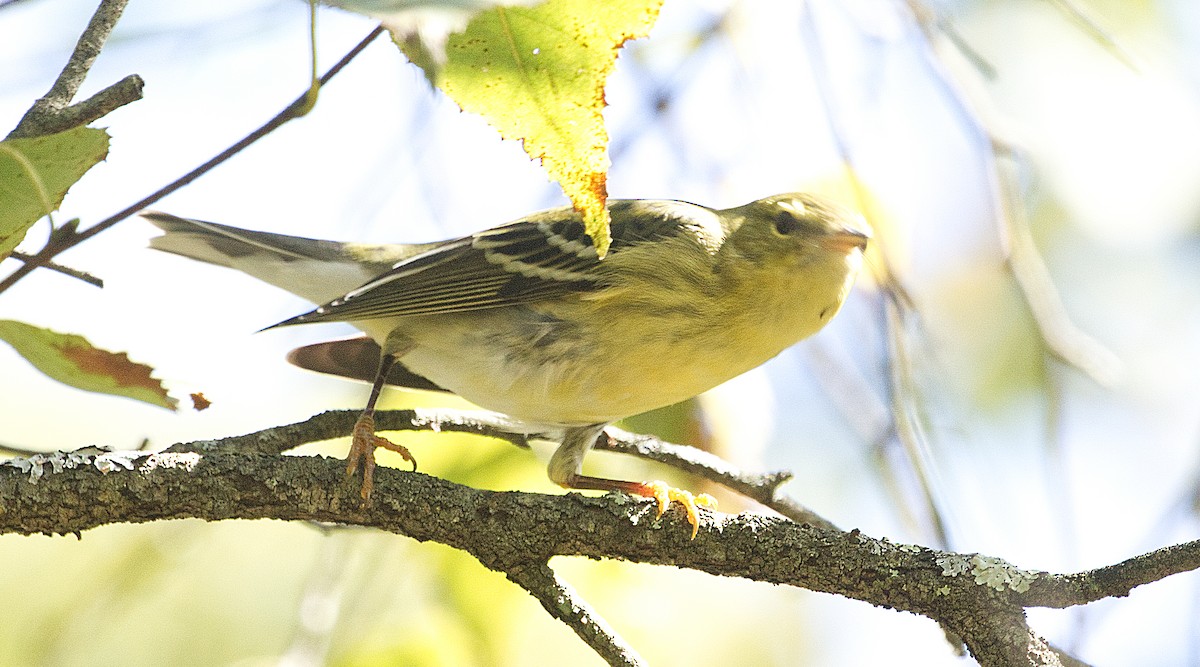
537, 74
72, 360
36, 173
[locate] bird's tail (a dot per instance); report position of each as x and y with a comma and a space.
315, 269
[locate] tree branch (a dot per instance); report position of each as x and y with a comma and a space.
338, 424
763, 488
980, 598
59, 268
53, 112
561, 602
1113, 580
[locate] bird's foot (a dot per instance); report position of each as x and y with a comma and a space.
664, 495
362, 453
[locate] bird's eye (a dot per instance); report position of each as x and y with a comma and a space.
786, 223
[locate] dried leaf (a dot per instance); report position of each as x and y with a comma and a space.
199, 402
72, 360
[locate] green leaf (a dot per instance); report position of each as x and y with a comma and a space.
420, 27
72, 360
537, 74
36, 173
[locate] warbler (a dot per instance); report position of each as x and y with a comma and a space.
527, 320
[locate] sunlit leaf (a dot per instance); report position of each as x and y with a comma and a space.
72, 360
36, 173
537, 74
420, 27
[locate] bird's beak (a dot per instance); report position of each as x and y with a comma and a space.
846, 240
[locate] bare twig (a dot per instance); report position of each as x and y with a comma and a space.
560, 601
294, 110
338, 424
763, 488
1062, 338
53, 112
1117, 580
12, 450
902, 391
59, 268
1089, 25
897, 304
125, 91
933, 22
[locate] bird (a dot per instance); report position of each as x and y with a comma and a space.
528, 320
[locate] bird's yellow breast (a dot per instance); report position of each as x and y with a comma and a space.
615, 353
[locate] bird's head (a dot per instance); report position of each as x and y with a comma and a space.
792, 230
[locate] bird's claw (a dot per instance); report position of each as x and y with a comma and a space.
362, 453
664, 495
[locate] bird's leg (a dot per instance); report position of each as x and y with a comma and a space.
364, 441
567, 464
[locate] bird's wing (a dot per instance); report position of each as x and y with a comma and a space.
543, 256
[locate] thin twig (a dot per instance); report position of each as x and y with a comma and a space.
1068, 590
1094, 30
763, 488
65, 270
339, 423
1063, 339
932, 22
1058, 333
897, 303
12, 450
562, 603
909, 433
53, 112
117, 95
294, 110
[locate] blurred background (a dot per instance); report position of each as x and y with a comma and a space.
1032, 178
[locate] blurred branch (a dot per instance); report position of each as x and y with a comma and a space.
1062, 338
53, 112
898, 305
1059, 334
981, 599
903, 391
934, 23
1092, 27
